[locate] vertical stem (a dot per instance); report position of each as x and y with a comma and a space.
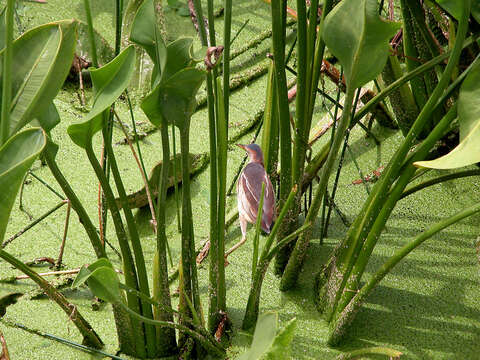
296, 259
146, 308
118, 25
278, 9
7, 74
128, 263
161, 290
222, 143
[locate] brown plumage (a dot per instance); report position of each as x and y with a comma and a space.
249, 190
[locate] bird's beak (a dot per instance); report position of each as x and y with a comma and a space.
241, 146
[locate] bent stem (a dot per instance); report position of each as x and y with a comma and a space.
90, 337
344, 319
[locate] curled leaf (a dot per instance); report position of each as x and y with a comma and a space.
467, 152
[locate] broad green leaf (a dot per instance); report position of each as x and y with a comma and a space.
86, 271
359, 38
42, 57
454, 8
146, 34
174, 100
16, 157
280, 349
143, 29
179, 56
263, 336
467, 151
104, 284
109, 82
48, 119
101, 279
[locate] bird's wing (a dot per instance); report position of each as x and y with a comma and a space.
249, 189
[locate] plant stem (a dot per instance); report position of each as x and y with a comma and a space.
91, 33
143, 287
161, 290
33, 223
359, 230
439, 180
7, 74
278, 9
346, 316
49, 153
128, 263
296, 259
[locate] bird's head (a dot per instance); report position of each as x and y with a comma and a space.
254, 152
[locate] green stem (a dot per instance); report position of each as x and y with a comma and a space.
278, 9
347, 315
146, 308
407, 77
161, 290
90, 337
209, 344
128, 263
118, 25
251, 312
222, 149
358, 231
49, 153
296, 259
7, 74
438, 180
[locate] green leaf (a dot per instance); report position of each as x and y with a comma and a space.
263, 336
174, 100
454, 8
467, 152
357, 36
280, 349
146, 34
109, 82
101, 279
179, 56
16, 157
86, 271
48, 119
42, 57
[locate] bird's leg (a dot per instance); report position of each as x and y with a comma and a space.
243, 227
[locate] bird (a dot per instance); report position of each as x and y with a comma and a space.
249, 190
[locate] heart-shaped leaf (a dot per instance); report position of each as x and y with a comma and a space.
281, 345
16, 157
467, 152
174, 100
101, 279
42, 57
359, 38
109, 82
